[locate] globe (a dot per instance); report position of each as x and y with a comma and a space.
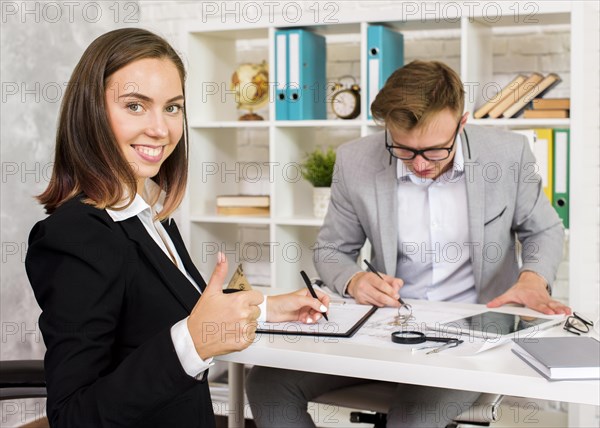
251, 85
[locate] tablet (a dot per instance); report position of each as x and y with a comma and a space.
492, 325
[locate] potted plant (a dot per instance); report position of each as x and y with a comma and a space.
317, 169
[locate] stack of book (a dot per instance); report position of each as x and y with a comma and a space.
514, 98
544, 108
254, 205
561, 358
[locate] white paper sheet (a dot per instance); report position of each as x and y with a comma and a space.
343, 316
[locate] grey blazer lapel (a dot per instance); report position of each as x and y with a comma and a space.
476, 207
387, 214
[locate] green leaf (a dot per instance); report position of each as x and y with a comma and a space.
318, 167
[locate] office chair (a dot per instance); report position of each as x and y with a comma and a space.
23, 379
377, 397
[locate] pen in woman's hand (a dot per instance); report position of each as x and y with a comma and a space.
372, 269
311, 290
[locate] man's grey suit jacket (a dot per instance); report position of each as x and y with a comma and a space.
505, 202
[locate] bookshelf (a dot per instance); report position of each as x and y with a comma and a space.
218, 141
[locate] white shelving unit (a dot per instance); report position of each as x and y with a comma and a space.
216, 135
218, 141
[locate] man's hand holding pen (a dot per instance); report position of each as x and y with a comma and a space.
374, 288
368, 289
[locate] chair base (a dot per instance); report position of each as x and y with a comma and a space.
379, 420
377, 397
467, 425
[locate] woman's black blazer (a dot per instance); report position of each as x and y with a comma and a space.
109, 296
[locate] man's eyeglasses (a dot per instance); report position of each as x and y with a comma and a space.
577, 324
432, 155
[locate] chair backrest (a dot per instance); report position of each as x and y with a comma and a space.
24, 379
483, 410
374, 396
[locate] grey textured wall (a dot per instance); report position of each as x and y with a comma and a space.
40, 44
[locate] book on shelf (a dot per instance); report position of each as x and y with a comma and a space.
561, 358
257, 211
551, 104
515, 95
254, 205
545, 114
538, 90
504, 93
243, 201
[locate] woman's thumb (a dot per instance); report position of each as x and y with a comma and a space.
217, 279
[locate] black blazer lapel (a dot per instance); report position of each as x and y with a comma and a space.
173, 231
172, 277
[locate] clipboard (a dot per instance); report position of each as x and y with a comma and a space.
344, 320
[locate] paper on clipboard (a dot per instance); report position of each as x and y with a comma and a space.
344, 321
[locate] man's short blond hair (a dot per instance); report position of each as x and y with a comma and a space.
413, 94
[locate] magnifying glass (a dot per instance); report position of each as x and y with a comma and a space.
411, 337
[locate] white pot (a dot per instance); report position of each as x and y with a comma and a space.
321, 196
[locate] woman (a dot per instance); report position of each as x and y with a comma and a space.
129, 324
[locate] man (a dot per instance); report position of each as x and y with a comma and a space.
442, 204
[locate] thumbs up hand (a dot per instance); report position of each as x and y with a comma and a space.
223, 323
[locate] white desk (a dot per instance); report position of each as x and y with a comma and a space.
496, 370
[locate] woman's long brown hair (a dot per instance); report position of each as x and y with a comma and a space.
87, 158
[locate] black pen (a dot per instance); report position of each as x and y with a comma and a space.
372, 269
312, 290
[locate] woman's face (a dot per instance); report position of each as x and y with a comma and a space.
144, 103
